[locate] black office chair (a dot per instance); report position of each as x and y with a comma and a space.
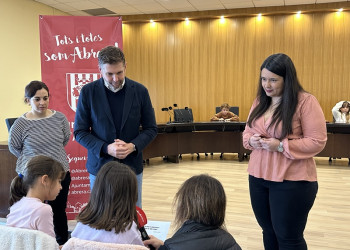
235, 110
184, 115
9, 122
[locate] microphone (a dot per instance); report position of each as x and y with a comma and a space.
167, 109
170, 112
142, 221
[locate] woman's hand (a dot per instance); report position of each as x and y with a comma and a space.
154, 242
270, 144
254, 141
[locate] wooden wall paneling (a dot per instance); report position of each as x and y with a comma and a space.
185, 62
217, 66
250, 54
200, 43
317, 36
327, 65
153, 65
231, 84
171, 75
203, 63
329, 85
199, 73
194, 52
208, 83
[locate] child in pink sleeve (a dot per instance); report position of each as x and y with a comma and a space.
41, 181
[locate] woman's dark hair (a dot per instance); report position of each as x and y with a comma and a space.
37, 166
113, 199
201, 199
282, 65
32, 88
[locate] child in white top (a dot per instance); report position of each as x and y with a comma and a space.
41, 181
110, 214
341, 112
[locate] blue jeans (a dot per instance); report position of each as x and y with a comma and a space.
281, 209
139, 187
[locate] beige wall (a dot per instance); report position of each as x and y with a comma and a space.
19, 54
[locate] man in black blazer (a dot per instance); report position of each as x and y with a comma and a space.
109, 114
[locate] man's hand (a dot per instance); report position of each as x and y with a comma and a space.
120, 149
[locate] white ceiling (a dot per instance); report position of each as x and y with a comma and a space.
138, 7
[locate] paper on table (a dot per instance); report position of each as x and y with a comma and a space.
158, 229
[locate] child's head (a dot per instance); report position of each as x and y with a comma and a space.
202, 199
40, 170
345, 108
113, 199
225, 108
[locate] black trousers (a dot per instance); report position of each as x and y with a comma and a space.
59, 205
281, 209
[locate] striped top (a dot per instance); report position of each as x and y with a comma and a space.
44, 136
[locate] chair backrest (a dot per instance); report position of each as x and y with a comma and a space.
234, 109
79, 244
26, 239
183, 115
9, 122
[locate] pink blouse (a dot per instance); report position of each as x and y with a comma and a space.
31, 213
296, 162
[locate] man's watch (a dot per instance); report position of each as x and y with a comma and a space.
280, 147
134, 147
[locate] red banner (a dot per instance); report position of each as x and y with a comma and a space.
69, 47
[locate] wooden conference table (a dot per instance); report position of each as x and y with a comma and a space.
217, 137
174, 139
182, 138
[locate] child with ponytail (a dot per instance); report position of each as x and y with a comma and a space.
39, 182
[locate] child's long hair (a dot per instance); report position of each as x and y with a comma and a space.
202, 199
36, 167
345, 105
113, 199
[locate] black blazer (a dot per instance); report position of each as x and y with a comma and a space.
94, 126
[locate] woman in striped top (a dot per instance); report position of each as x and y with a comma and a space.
43, 131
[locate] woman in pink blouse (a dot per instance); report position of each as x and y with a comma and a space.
285, 129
